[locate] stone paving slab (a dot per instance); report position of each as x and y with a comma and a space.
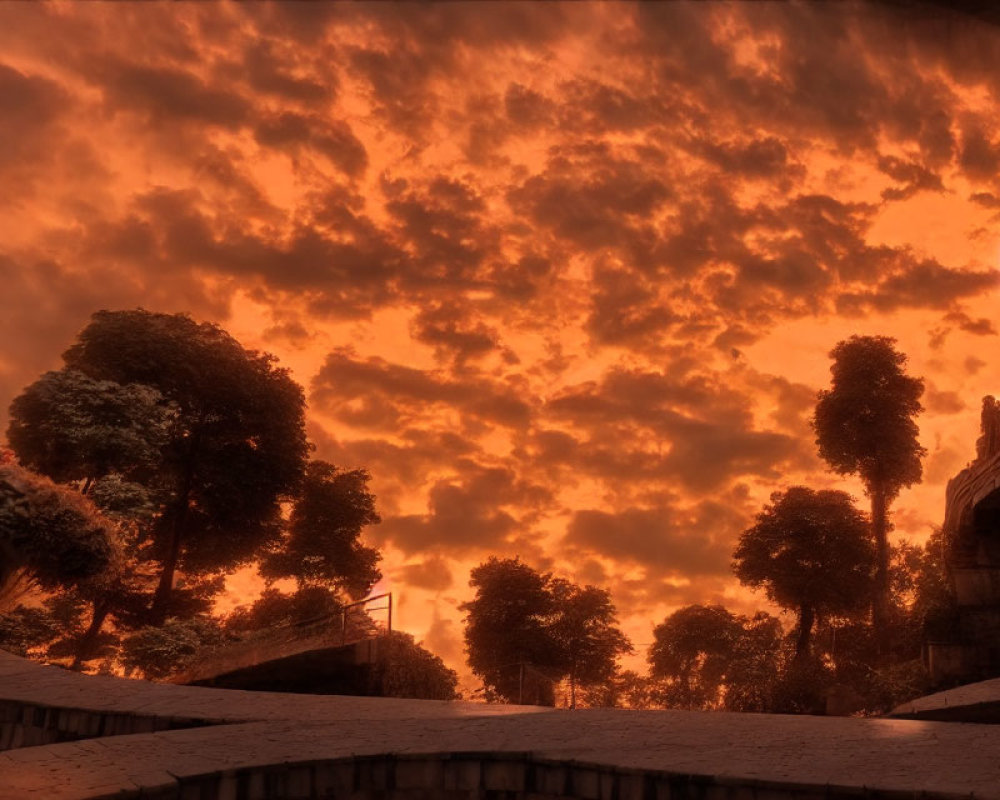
863, 755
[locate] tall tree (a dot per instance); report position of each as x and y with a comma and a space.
320, 544
865, 426
810, 551
107, 439
526, 628
236, 446
585, 629
506, 631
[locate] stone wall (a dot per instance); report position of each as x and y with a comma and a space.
485, 776
29, 725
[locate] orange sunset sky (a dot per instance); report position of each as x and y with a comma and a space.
564, 278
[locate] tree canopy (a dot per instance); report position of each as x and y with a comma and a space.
864, 422
236, 445
811, 551
320, 542
50, 533
526, 630
586, 634
865, 425
70, 427
691, 649
506, 626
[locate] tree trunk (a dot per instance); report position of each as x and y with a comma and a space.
165, 588
806, 618
880, 599
86, 646
572, 688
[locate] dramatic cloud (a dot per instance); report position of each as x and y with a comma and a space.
563, 277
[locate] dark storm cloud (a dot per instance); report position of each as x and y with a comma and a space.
267, 72
330, 137
702, 432
227, 171
31, 108
914, 176
767, 157
626, 308
168, 95
980, 155
527, 109
432, 574
591, 197
375, 393
473, 512
692, 542
943, 401
443, 221
985, 199
454, 333
596, 108
521, 280
343, 277
977, 327
408, 463
811, 72
396, 79
643, 396
925, 284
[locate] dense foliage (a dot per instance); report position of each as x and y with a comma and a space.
525, 631
50, 534
811, 552
179, 456
865, 426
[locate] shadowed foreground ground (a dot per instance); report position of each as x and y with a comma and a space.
267, 745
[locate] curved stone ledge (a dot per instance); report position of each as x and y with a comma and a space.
269, 746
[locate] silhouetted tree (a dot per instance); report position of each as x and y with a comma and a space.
585, 630
755, 662
865, 425
526, 630
236, 445
810, 551
52, 535
274, 608
320, 542
691, 652
507, 629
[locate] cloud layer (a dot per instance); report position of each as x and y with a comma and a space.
562, 276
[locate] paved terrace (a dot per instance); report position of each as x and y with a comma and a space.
266, 745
